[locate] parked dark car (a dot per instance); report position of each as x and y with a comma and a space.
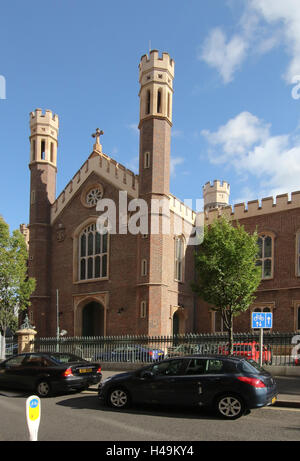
188, 349
231, 385
130, 353
11, 349
48, 373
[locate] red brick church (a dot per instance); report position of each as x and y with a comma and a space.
122, 282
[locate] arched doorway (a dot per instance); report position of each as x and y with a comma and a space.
175, 323
93, 319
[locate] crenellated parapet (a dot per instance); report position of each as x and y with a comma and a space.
41, 123
108, 169
255, 208
43, 137
156, 75
155, 61
216, 195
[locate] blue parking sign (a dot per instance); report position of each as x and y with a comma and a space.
262, 320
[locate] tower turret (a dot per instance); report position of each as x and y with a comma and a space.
156, 76
216, 195
42, 164
156, 80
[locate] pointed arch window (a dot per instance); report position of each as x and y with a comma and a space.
266, 255
159, 101
148, 102
298, 254
179, 258
93, 254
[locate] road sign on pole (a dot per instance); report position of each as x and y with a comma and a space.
261, 320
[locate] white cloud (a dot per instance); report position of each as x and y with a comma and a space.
134, 127
286, 13
237, 136
246, 144
225, 55
175, 161
263, 25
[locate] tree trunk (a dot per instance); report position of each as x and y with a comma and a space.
230, 337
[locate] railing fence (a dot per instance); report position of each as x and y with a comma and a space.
279, 348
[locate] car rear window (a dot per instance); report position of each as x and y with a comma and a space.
250, 366
66, 358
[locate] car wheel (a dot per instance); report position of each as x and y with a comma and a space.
230, 406
118, 398
43, 388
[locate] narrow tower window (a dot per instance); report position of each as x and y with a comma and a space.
52, 152
143, 312
159, 99
147, 160
144, 267
148, 101
43, 148
169, 104
33, 150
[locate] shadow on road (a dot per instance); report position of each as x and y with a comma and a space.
90, 402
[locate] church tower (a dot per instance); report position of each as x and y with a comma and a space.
42, 165
156, 74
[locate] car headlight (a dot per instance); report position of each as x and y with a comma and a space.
106, 380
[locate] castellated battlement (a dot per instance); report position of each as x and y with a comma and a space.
255, 208
216, 195
41, 123
221, 186
165, 62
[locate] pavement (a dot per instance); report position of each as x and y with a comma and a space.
288, 389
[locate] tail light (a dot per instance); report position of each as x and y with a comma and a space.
252, 381
99, 370
67, 372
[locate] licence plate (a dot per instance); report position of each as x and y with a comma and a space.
274, 400
85, 370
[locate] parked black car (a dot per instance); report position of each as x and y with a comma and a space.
231, 385
47, 373
130, 353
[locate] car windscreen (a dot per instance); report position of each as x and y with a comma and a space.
66, 358
250, 366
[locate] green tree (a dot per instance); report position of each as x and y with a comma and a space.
227, 275
15, 286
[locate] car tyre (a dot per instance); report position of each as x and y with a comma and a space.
118, 398
230, 406
43, 388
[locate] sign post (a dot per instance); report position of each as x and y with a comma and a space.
33, 416
261, 320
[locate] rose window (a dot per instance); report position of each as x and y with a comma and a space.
93, 196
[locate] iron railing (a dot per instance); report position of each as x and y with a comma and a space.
279, 348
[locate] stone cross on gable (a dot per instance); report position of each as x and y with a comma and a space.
97, 135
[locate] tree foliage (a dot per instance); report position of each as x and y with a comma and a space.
15, 286
227, 275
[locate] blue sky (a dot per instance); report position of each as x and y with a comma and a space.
234, 117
